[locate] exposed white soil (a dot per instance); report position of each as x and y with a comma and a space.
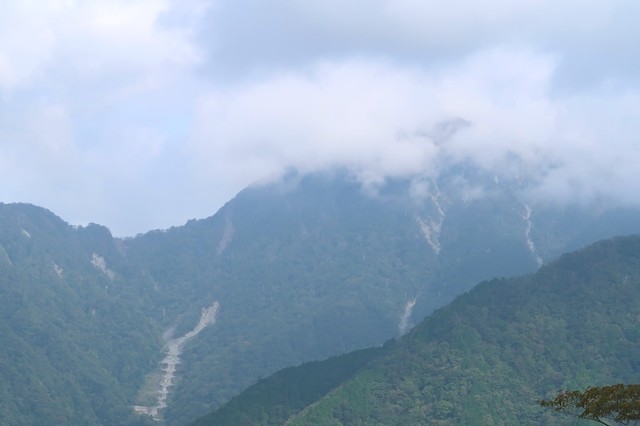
406, 316
527, 235
432, 226
173, 350
100, 263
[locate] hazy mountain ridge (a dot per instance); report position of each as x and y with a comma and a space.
484, 359
72, 331
315, 266
303, 269
295, 272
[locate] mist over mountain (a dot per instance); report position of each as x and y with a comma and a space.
262, 184
188, 102
302, 269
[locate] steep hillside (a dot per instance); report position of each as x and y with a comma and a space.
491, 354
274, 399
76, 340
315, 266
174, 323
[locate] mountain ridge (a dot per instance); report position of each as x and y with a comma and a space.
305, 269
489, 356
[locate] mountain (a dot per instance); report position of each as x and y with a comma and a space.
174, 323
301, 272
76, 339
314, 266
484, 359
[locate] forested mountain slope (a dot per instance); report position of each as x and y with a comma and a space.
316, 266
293, 271
76, 338
487, 357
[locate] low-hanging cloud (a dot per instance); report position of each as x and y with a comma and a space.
143, 114
380, 119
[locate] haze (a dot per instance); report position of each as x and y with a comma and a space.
141, 115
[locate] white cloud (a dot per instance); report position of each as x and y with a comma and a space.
86, 40
26, 41
94, 96
358, 114
379, 120
142, 114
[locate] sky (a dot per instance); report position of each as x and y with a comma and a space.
142, 114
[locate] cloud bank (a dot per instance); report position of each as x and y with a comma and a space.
381, 120
140, 115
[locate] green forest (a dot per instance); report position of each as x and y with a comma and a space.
487, 358
301, 273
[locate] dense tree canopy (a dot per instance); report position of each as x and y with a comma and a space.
489, 356
620, 403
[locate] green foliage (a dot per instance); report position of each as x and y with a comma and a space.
74, 343
304, 269
620, 403
273, 400
485, 358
